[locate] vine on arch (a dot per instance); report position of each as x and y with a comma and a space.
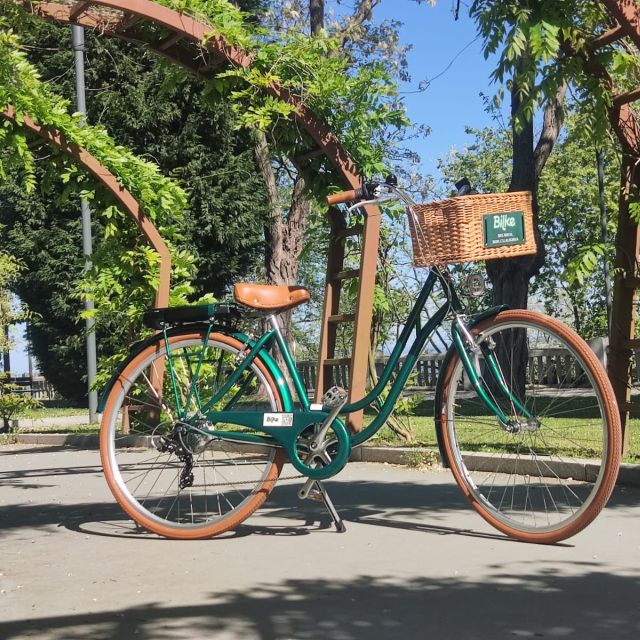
125, 272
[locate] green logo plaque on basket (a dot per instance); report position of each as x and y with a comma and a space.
501, 229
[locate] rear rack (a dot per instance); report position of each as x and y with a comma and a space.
170, 316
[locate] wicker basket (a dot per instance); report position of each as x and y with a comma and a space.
473, 228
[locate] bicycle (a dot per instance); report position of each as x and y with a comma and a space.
199, 420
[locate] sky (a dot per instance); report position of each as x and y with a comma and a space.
442, 50
449, 54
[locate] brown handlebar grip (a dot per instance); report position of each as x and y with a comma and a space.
342, 196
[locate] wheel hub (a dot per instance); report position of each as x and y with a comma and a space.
517, 426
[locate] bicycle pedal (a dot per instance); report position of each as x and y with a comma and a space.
334, 397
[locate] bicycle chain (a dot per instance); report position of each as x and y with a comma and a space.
240, 482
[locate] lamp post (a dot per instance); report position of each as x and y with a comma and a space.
77, 38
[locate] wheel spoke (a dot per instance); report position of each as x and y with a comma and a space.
169, 477
527, 477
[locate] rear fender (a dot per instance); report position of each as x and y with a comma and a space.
264, 357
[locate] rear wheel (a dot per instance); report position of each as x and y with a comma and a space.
170, 478
547, 474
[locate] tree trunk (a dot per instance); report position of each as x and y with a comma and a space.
6, 356
316, 16
510, 278
604, 235
283, 236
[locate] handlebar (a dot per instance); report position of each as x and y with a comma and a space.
371, 193
380, 192
344, 196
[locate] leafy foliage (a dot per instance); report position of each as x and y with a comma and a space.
161, 199
10, 311
360, 105
12, 402
543, 43
191, 140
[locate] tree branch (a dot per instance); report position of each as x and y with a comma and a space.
550, 130
361, 14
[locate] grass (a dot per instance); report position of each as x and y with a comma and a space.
52, 412
56, 409
423, 428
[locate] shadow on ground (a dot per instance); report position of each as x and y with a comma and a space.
405, 505
510, 603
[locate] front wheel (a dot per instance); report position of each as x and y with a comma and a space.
171, 479
548, 472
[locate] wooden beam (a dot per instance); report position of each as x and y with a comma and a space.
342, 318
335, 262
347, 275
79, 8
626, 98
364, 313
623, 313
333, 362
349, 232
627, 14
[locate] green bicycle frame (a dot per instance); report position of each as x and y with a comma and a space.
304, 416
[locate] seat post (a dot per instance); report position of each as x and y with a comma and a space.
288, 369
275, 325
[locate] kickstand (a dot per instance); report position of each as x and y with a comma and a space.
337, 520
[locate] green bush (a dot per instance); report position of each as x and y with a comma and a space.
12, 402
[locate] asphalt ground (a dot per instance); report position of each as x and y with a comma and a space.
415, 562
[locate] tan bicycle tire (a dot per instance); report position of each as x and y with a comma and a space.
235, 517
612, 445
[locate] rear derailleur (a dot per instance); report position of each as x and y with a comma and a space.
173, 443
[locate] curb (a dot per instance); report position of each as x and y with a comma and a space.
71, 440
629, 474
61, 421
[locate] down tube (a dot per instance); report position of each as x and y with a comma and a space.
403, 376
394, 358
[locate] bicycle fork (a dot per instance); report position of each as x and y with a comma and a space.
470, 351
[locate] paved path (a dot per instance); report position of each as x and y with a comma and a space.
415, 562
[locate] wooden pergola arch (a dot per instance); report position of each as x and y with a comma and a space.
187, 42
180, 38
130, 205
625, 121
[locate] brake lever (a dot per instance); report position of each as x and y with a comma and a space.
364, 203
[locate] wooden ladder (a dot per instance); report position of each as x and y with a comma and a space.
625, 24
332, 318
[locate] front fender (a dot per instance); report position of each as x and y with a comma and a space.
437, 406
264, 357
